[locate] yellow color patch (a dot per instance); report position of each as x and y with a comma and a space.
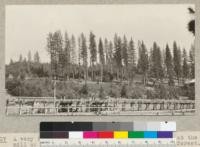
121, 134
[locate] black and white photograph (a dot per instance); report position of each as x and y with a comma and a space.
136, 59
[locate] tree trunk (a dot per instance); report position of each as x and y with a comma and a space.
92, 71
111, 69
78, 72
86, 74
144, 79
101, 73
118, 74
121, 74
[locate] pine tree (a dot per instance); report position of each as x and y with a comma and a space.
177, 61
169, 65
131, 53
156, 65
24, 60
20, 58
159, 64
51, 50
101, 57
143, 62
107, 66
58, 42
106, 50
73, 49
125, 51
67, 49
84, 55
125, 55
192, 62
79, 56
93, 52
131, 59
118, 55
185, 67
55, 49
11, 62
73, 55
36, 57
29, 62
110, 57
29, 56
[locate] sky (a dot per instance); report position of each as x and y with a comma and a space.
27, 26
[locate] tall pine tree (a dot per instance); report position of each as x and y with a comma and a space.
143, 61
125, 56
106, 50
101, 57
73, 55
192, 62
177, 61
118, 55
36, 57
67, 50
185, 67
156, 67
29, 56
84, 54
169, 65
110, 57
131, 59
93, 52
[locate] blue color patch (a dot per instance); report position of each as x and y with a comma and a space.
150, 134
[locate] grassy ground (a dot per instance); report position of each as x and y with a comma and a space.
75, 89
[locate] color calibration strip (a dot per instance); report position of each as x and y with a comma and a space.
106, 130
108, 126
105, 135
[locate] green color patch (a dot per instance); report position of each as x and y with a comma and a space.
136, 134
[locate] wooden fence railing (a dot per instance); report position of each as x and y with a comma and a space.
96, 106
